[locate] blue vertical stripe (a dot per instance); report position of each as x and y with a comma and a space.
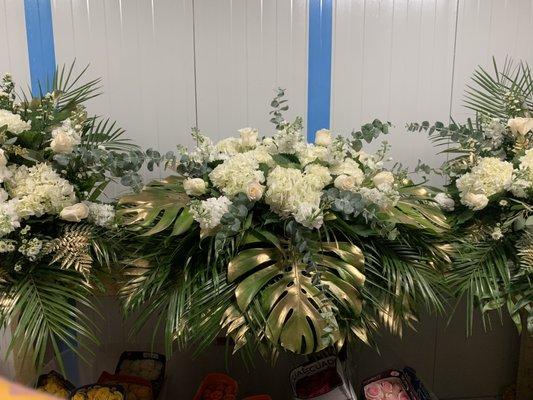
42, 59
319, 66
41, 52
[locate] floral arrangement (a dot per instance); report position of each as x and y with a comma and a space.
490, 191
281, 244
55, 162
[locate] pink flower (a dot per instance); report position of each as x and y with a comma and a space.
386, 386
373, 391
403, 396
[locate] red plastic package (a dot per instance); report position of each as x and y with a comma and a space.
258, 397
216, 386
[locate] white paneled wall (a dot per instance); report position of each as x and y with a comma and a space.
168, 65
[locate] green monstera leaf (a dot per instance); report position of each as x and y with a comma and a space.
298, 301
160, 205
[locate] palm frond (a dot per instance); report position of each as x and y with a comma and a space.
46, 307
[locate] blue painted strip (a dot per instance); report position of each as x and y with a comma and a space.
319, 66
42, 59
41, 52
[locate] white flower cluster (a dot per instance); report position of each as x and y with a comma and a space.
291, 191
15, 124
39, 190
65, 137
236, 174
294, 185
208, 213
31, 247
489, 177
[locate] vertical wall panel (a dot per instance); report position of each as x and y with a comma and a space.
244, 51
393, 60
143, 50
13, 45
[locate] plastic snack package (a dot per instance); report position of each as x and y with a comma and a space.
99, 391
394, 385
258, 397
146, 365
135, 388
323, 379
54, 384
217, 386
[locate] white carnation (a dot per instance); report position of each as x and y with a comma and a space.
9, 218
229, 146
208, 213
349, 167
526, 164
475, 201
317, 176
195, 186
100, 214
383, 179
309, 216
444, 201
248, 137
310, 153
235, 174
385, 197
40, 190
5, 173
490, 176
14, 122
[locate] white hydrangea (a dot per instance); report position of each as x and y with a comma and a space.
494, 131
14, 122
444, 201
235, 174
288, 188
208, 213
317, 176
100, 214
9, 218
490, 176
261, 155
40, 190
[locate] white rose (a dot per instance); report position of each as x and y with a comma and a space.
520, 126
195, 186
383, 178
323, 137
75, 213
344, 182
62, 142
249, 136
255, 191
475, 201
445, 202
